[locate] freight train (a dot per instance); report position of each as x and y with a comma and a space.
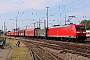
70, 32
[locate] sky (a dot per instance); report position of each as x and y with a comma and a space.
28, 12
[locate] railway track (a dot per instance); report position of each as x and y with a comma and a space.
74, 48
39, 53
68, 47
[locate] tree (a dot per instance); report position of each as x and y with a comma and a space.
86, 23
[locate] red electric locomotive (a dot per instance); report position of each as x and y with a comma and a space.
70, 32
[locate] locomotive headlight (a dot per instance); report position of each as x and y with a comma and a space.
84, 32
77, 32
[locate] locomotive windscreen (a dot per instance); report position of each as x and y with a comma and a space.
80, 27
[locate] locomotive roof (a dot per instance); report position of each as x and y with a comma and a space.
56, 26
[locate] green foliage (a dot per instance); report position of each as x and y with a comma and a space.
86, 23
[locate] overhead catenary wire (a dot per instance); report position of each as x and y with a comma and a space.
72, 6
60, 11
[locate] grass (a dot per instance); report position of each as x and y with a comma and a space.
19, 53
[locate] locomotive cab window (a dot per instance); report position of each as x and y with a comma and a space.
80, 28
